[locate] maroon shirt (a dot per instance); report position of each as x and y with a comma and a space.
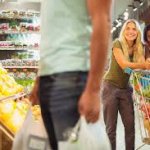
147, 51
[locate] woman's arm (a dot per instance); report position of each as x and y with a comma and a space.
148, 59
123, 63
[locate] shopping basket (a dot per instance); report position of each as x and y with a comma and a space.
140, 81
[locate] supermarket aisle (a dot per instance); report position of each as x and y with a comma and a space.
120, 136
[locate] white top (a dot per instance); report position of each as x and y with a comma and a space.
65, 36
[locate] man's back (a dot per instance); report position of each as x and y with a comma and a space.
65, 36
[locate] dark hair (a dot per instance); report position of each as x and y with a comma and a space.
146, 29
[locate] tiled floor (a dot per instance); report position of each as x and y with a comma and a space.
138, 141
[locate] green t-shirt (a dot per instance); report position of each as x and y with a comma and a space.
115, 73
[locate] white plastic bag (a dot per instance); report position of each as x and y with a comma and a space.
32, 135
89, 137
93, 136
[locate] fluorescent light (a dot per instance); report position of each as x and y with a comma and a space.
126, 15
135, 9
141, 3
113, 29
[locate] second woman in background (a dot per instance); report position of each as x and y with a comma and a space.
127, 51
147, 42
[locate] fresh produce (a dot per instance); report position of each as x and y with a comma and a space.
147, 125
15, 121
36, 111
8, 86
145, 108
141, 85
13, 113
6, 109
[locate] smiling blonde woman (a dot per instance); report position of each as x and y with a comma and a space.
130, 38
127, 51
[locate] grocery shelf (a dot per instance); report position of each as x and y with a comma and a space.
17, 67
19, 32
16, 96
21, 49
8, 132
18, 17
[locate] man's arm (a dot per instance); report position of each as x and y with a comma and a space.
100, 14
89, 104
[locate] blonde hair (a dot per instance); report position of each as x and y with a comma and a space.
138, 51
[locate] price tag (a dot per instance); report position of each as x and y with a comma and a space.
37, 143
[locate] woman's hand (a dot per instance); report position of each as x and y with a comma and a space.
147, 64
148, 60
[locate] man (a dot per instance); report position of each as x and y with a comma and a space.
67, 87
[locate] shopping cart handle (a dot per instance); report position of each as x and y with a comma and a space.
128, 70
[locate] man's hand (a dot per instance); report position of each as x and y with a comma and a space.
34, 94
89, 106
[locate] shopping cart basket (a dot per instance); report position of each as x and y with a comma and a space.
140, 81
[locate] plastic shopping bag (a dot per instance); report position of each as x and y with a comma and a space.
87, 137
93, 136
32, 135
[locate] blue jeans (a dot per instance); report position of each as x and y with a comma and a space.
118, 100
59, 95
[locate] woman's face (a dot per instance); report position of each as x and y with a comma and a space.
148, 36
130, 32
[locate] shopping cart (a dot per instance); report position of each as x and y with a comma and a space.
140, 81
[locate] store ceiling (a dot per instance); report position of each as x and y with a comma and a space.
119, 7
24, 6
20, 0
144, 15
29, 0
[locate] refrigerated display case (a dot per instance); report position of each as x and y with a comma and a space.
19, 55
20, 40
13, 111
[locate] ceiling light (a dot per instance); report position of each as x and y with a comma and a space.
126, 15
141, 2
133, 7
113, 29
